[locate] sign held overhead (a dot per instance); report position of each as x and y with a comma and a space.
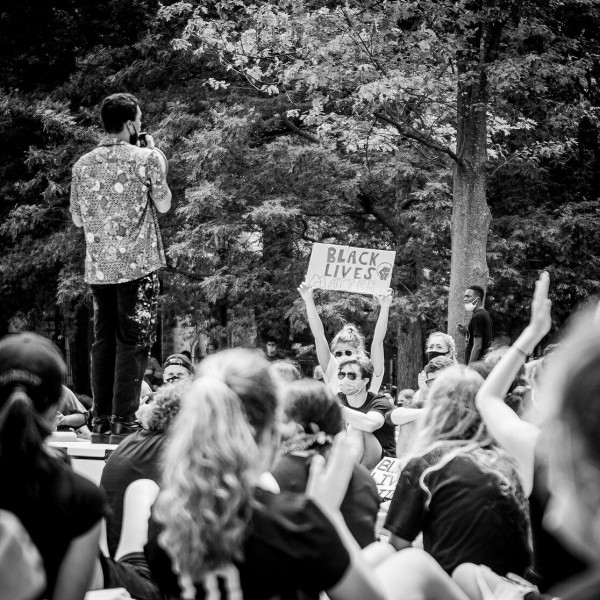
349, 269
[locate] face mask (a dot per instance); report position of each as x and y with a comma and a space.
471, 307
431, 355
350, 388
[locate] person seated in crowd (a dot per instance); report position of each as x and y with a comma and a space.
348, 342
460, 490
311, 408
60, 510
138, 456
177, 367
405, 398
153, 374
272, 350
428, 375
364, 412
440, 344
72, 415
552, 562
220, 528
286, 370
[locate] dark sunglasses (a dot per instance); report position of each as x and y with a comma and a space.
339, 353
351, 376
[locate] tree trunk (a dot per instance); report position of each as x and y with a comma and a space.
470, 213
409, 352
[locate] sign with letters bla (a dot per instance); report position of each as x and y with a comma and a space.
348, 269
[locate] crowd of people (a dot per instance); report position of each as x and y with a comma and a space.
247, 479
242, 478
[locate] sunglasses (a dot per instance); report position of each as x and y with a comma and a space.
339, 353
351, 376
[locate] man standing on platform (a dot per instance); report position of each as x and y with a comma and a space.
480, 331
116, 191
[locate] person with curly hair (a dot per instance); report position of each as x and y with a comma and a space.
138, 456
459, 489
348, 342
222, 529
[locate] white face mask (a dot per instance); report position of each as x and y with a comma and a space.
351, 388
471, 306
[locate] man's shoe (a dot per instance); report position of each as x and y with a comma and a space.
101, 430
121, 429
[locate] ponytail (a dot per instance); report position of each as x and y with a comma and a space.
22, 433
350, 334
208, 479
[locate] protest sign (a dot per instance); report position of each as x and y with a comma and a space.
348, 269
386, 475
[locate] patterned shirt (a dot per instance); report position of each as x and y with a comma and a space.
113, 191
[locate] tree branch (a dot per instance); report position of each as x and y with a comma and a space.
297, 130
413, 134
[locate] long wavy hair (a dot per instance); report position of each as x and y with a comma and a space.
211, 461
453, 428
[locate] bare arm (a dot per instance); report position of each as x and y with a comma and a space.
316, 327
370, 421
516, 436
377, 354
476, 350
327, 486
76, 569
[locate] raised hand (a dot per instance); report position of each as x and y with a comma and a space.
385, 300
305, 290
328, 482
540, 321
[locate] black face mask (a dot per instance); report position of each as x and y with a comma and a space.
431, 355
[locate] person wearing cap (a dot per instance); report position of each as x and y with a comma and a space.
116, 191
178, 367
60, 510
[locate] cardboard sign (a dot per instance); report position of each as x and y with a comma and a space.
349, 269
386, 475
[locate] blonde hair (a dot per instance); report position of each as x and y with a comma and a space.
448, 339
453, 427
350, 334
210, 461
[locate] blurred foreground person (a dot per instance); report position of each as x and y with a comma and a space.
228, 532
60, 510
459, 489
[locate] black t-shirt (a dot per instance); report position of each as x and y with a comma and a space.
481, 326
291, 547
386, 433
65, 507
137, 457
468, 518
361, 502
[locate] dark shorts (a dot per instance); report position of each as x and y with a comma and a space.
133, 574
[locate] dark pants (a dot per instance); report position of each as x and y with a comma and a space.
124, 331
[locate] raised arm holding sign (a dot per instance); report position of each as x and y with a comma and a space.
359, 270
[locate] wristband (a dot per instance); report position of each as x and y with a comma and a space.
520, 351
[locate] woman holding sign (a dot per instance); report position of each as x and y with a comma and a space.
349, 342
